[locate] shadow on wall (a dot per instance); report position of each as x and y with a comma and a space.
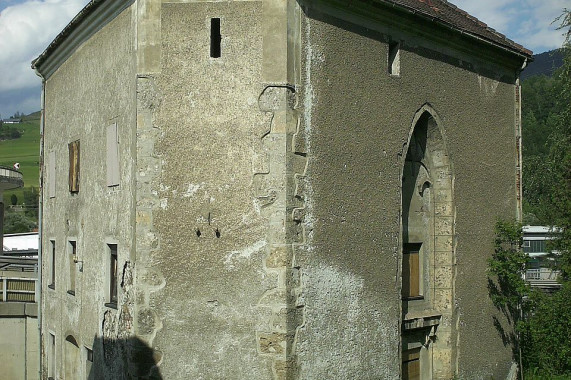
507, 333
129, 358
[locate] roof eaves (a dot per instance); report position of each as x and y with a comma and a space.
508, 44
73, 35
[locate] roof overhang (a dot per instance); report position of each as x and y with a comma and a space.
94, 16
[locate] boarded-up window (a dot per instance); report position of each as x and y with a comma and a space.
112, 156
411, 364
411, 271
51, 174
74, 166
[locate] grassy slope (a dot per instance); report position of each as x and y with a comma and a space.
26, 151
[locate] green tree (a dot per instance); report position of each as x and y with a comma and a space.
17, 222
31, 200
14, 199
506, 284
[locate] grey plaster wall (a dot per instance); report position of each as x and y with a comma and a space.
358, 120
94, 88
258, 214
211, 230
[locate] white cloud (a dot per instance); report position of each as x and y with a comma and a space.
527, 22
26, 29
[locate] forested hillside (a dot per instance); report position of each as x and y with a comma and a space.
543, 109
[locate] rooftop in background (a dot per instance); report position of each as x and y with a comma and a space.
12, 121
10, 178
536, 229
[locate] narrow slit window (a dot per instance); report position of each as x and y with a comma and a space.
112, 274
394, 58
51, 357
72, 266
88, 362
52, 283
215, 38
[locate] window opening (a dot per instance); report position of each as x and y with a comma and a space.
394, 58
74, 166
88, 361
215, 38
411, 271
112, 275
51, 356
411, 364
72, 266
52, 283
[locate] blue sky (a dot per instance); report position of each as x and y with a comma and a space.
27, 27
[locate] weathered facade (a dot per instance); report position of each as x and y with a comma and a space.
275, 189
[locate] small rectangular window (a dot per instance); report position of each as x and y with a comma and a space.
88, 362
411, 271
51, 174
52, 283
72, 266
74, 166
112, 156
112, 275
215, 38
394, 58
51, 356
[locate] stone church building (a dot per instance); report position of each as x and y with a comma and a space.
276, 189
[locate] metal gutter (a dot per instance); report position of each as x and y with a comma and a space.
94, 16
417, 12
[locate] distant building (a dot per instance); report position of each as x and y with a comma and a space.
540, 271
12, 121
19, 293
276, 190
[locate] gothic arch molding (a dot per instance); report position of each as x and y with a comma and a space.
428, 250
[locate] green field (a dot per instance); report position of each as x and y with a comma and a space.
26, 151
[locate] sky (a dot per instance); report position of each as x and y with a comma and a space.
28, 26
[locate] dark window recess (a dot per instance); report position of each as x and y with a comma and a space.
72, 266
52, 283
394, 58
113, 274
89, 354
215, 38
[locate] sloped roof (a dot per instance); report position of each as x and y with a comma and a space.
447, 13
440, 11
